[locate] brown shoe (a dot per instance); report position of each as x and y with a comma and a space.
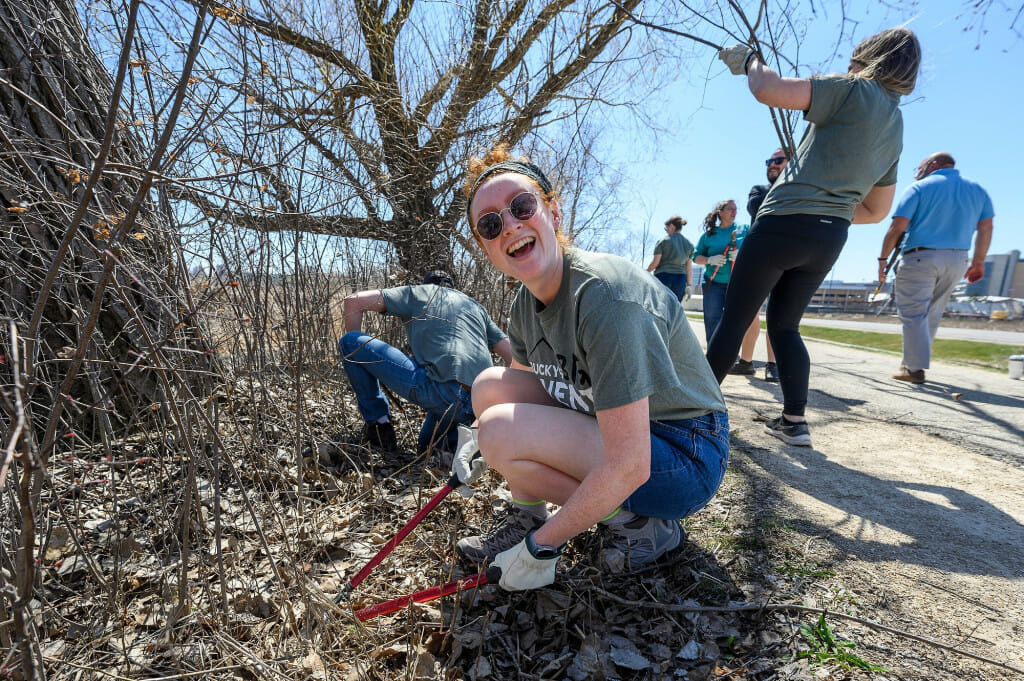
909, 376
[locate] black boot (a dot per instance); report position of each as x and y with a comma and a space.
382, 436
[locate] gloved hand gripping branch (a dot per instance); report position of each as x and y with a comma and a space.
737, 58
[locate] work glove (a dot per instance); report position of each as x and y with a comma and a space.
521, 569
731, 255
736, 58
687, 293
716, 260
467, 465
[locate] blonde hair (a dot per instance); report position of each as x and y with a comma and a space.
891, 58
498, 154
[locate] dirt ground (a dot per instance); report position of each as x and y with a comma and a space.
902, 521
923, 534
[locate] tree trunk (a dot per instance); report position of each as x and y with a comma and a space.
90, 274
87, 289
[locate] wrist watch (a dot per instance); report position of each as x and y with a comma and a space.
542, 551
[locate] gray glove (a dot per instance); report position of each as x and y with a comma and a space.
468, 465
735, 58
731, 255
716, 260
687, 293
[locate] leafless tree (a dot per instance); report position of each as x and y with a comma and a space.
376, 106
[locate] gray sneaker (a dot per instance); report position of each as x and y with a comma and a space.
790, 433
505, 534
638, 540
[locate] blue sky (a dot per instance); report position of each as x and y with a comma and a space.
968, 102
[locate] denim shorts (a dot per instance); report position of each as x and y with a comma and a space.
688, 460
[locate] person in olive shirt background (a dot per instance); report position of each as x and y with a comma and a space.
672, 264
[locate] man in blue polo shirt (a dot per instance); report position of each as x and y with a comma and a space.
940, 213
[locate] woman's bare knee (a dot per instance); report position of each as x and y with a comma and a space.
493, 434
499, 385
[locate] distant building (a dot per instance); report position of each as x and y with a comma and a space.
840, 296
1004, 278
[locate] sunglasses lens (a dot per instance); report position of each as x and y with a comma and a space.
523, 206
489, 226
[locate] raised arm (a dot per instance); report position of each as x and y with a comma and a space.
772, 89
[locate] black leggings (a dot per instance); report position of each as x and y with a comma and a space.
787, 256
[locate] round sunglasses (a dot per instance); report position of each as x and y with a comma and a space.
522, 207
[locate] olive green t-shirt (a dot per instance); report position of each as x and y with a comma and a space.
612, 336
674, 249
450, 334
852, 144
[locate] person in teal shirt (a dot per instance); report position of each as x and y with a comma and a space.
716, 250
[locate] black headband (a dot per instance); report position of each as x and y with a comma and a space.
522, 167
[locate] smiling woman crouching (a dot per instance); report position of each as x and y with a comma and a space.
609, 409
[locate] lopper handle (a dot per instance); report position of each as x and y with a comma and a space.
402, 533
425, 595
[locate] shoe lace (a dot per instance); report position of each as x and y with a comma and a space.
509, 530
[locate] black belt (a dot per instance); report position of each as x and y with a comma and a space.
919, 248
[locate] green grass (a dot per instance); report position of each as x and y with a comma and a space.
992, 356
826, 647
984, 355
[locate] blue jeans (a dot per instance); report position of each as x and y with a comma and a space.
714, 306
675, 282
688, 461
368, 362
